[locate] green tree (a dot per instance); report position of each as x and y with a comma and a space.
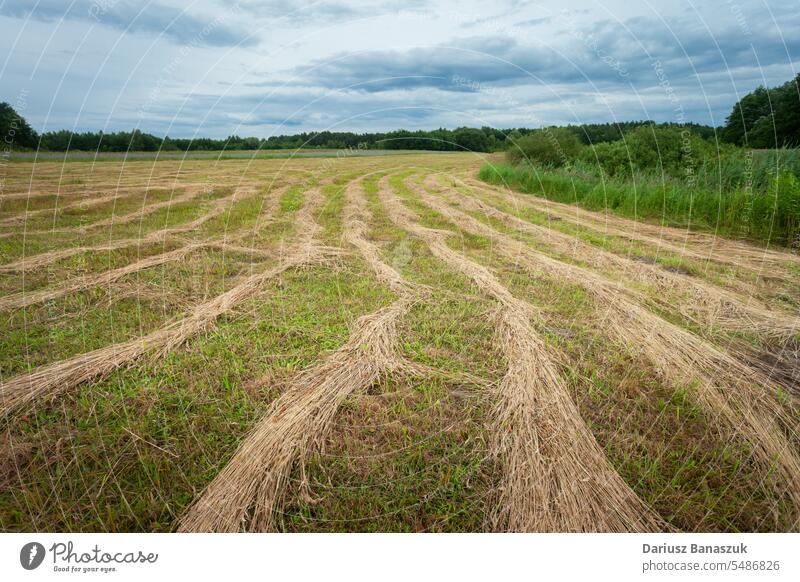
766, 118
470, 139
787, 118
15, 131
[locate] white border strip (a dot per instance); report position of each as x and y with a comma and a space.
379, 557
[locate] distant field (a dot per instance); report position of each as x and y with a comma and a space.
380, 343
210, 155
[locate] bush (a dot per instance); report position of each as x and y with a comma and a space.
673, 151
552, 147
611, 158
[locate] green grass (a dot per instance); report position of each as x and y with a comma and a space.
694, 477
16, 247
656, 297
131, 452
767, 214
410, 455
623, 246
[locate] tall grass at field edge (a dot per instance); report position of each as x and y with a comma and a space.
770, 213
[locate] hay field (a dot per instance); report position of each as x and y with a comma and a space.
381, 343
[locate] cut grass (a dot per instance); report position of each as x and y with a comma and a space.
410, 455
189, 410
18, 247
766, 215
756, 489
133, 450
554, 477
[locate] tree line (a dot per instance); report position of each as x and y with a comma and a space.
484, 139
765, 118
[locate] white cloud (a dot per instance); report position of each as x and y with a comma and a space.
287, 66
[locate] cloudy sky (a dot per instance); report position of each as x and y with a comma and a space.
218, 67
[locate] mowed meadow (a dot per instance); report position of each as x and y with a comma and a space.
382, 343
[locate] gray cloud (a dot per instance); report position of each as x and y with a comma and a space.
302, 12
483, 60
389, 71
585, 58
298, 13
152, 18
701, 69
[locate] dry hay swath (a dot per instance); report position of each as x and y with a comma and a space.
782, 364
246, 493
682, 242
43, 259
23, 299
708, 305
243, 496
355, 232
85, 193
85, 204
555, 475
142, 291
742, 398
190, 194
49, 380
704, 302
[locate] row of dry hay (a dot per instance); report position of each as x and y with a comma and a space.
555, 476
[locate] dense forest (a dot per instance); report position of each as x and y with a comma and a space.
765, 118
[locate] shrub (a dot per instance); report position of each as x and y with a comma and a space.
661, 150
612, 158
552, 147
